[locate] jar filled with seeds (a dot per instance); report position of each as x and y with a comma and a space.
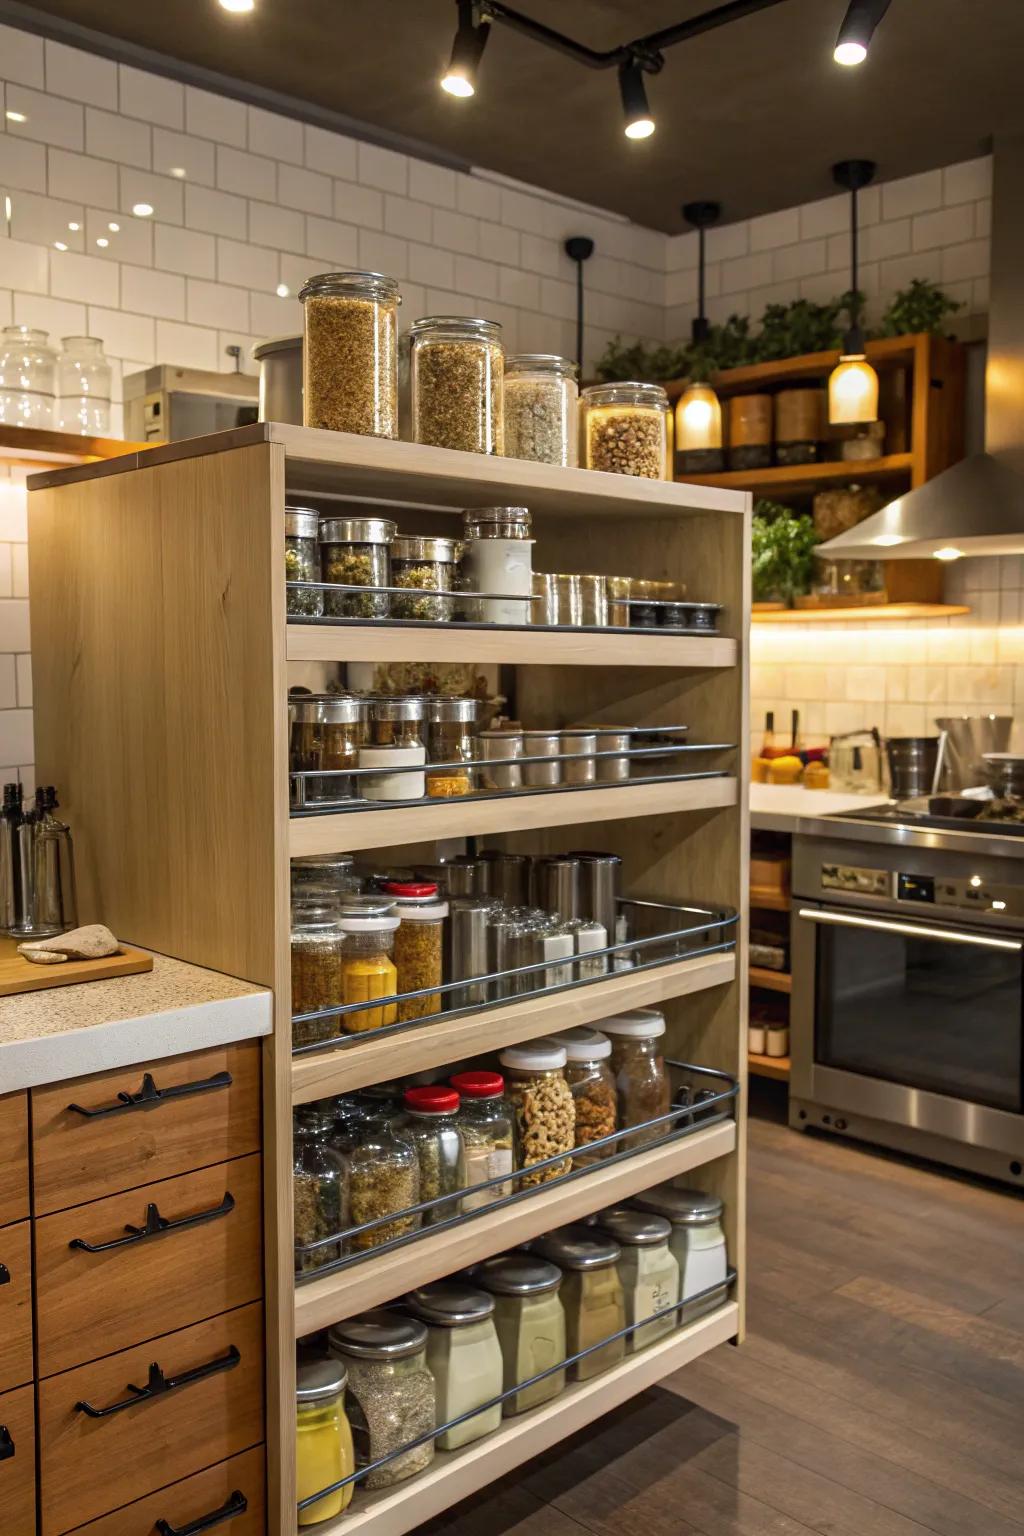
383, 1179
627, 429
450, 740
302, 561
419, 945
541, 402
590, 1079
367, 970
350, 353
641, 1077
354, 552
316, 972
488, 1136
391, 1395
432, 1127
428, 567
397, 722
543, 1104
320, 1186
458, 367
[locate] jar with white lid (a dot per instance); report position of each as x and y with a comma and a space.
541, 403
592, 1295
354, 552
626, 429
641, 1077
428, 568
350, 353
488, 1135
463, 1356
543, 1102
592, 1084
457, 374
419, 944
391, 1393
697, 1242
497, 558
648, 1270
431, 1125
530, 1323
302, 561
368, 970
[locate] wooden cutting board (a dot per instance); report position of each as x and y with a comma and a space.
20, 975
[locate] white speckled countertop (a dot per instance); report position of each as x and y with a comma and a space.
93, 1026
781, 807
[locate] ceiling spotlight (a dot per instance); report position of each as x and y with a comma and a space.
102, 242
115, 229
142, 210
639, 122
15, 117
59, 245
459, 79
862, 17
282, 290
179, 171
238, 7
74, 228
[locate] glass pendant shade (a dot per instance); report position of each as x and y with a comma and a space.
698, 419
852, 391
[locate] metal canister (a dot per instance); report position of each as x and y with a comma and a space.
461, 876
594, 601
506, 876
467, 947
541, 744
501, 950
501, 751
612, 770
569, 600
558, 885
600, 874
584, 769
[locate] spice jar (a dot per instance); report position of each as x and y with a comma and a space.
541, 744
543, 1104
592, 1084
320, 1181
467, 948
497, 558
626, 429
397, 722
316, 973
350, 353
368, 970
391, 1396
450, 740
697, 1242
302, 561
498, 748
323, 1439
579, 747
463, 1356
354, 553
457, 367
432, 1127
541, 401
419, 945
641, 1078
530, 1323
648, 1270
591, 1294
488, 1136
428, 568
325, 732
331, 873
384, 1178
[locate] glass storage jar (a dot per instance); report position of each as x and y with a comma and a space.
458, 367
325, 732
302, 561
648, 1270
530, 1323
627, 429
350, 353
641, 1078
323, 1439
83, 387
316, 972
697, 1242
591, 1295
541, 402
423, 563
383, 1177
391, 1395
450, 739
333, 873
320, 1180
487, 1127
419, 944
432, 1126
397, 722
28, 369
497, 558
354, 553
543, 1104
368, 970
592, 1084
463, 1356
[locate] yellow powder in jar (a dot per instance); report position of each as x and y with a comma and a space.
362, 979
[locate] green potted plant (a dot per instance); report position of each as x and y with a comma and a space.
783, 553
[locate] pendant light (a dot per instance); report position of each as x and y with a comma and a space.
698, 409
853, 384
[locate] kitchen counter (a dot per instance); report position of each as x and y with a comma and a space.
782, 807
64, 1032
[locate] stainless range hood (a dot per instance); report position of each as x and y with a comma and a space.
977, 507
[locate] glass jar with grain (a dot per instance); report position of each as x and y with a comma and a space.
316, 972
626, 429
302, 561
488, 1136
432, 1127
354, 552
325, 732
419, 945
320, 1184
591, 1294
592, 1084
458, 367
391, 1394
368, 970
541, 401
350, 353
530, 1322
641, 1077
428, 567
383, 1179
397, 722
543, 1104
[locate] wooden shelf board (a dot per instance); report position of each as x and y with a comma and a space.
417, 1050
34, 445
771, 981
883, 613
776, 1067
454, 1475
465, 817
318, 1303
769, 901
788, 479
886, 352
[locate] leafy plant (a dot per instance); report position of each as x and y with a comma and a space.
783, 552
923, 306
728, 345
788, 330
652, 364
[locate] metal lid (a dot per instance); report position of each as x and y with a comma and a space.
301, 522
544, 1055
441, 710
264, 349
497, 515
682, 1207
356, 285
317, 1381
313, 1119
593, 858
627, 392
635, 1229
463, 326
640, 1024
326, 708
541, 362
449, 1303
397, 709
409, 546
579, 1248
378, 1335
517, 1274
583, 1044
357, 530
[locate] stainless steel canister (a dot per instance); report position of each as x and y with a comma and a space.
600, 874
506, 876
501, 950
461, 876
593, 600
570, 602
557, 885
618, 588
612, 770
467, 947
584, 769
546, 588
541, 744
501, 748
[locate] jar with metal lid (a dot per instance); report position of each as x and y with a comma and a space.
397, 722
592, 1085
697, 1242
383, 1178
648, 1270
333, 872
323, 1439
368, 970
428, 567
541, 744
419, 945
325, 732
457, 369
350, 353
316, 973
497, 559
487, 1126
391, 1394
595, 1307
320, 1182
302, 561
541, 402
627, 429
543, 1104
451, 740
530, 1323
500, 751
579, 747
641, 1077
463, 1356
431, 1124
354, 552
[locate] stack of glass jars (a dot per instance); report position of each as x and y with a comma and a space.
83, 387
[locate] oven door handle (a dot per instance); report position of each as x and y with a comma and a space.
912, 930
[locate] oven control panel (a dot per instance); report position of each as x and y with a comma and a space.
962, 893
851, 877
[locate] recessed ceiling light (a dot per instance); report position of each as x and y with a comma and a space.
59, 245
115, 229
15, 117
103, 242
238, 6
888, 540
179, 171
142, 210
283, 290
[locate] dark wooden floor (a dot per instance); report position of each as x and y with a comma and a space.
880, 1390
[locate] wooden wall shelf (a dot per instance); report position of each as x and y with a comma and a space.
33, 445
775, 1067
885, 613
804, 479
508, 647
771, 981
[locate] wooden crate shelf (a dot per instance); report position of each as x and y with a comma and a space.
804, 479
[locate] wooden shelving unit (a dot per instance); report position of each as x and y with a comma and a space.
775, 1067
161, 652
796, 479
771, 981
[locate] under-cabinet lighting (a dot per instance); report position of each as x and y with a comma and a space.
948, 552
887, 540
59, 245
238, 7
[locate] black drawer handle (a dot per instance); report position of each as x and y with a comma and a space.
156, 1225
237, 1504
149, 1095
6, 1443
158, 1384
5, 1275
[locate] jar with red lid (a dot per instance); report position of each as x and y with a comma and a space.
487, 1124
431, 1124
419, 944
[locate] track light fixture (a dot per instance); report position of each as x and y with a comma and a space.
639, 123
459, 79
853, 384
857, 30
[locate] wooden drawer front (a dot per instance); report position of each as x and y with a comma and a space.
79, 1157
150, 1281
90, 1466
233, 1490
15, 1306
13, 1158
18, 1462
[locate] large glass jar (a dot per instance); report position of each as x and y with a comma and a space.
368, 970
419, 944
543, 1104
591, 1295
325, 732
397, 722
302, 561
530, 1323
487, 1126
384, 1179
432, 1126
450, 739
541, 403
641, 1078
497, 558
697, 1242
28, 367
350, 353
463, 1356
391, 1397
320, 1180
329, 874
354, 553
458, 367
648, 1270
316, 972
592, 1084
323, 1439
423, 563
83, 387
627, 429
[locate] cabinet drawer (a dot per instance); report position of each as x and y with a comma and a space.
148, 1278
15, 1306
176, 1115
13, 1157
233, 1491
17, 1462
93, 1463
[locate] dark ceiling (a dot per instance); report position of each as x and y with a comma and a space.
752, 114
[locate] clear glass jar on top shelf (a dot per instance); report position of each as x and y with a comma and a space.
431, 1125
421, 563
391, 1394
323, 1439
350, 353
458, 367
83, 387
543, 1104
487, 1126
530, 1322
333, 873
302, 561
463, 1356
541, 403
28, 378
591, 1295
626, 429
384, 1179
320, 1186
641, 1077
592, 1083
354, 552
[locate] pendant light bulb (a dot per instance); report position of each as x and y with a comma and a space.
853, 383
459, 79
698, 419
857, 30
639, 122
